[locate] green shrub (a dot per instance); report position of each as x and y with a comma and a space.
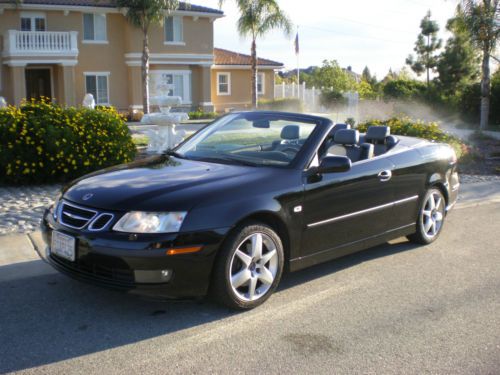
43, 142
199, 115
282, 104
427, 130
404, 89
330, 98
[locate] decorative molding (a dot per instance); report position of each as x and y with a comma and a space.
90, 41
171, 62
245, 67
138, 55
89, 9
14, 63
174, 43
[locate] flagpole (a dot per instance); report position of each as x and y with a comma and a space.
298, 66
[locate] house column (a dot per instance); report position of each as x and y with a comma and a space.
206, 89
69, 89
18, 82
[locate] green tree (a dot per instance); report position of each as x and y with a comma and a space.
143, 14
257, 18
482, 20
331, 76
458, 64
425, 47
367, 76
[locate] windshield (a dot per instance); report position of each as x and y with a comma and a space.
249, 139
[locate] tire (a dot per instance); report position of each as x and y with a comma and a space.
242, 279
430, 218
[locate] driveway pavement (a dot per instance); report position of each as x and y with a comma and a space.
396, 308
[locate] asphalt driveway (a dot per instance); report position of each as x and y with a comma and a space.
397, 308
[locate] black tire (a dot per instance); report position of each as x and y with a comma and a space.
424, 235
228, 263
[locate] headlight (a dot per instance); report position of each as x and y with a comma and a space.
150, 222
55, 206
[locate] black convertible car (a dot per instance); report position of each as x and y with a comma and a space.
241, 200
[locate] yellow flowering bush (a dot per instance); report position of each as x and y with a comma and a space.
43, 142
419, 129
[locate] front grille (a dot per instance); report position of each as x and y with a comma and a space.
123, 277
75, 216
78, 217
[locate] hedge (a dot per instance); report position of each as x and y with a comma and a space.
43, 142
420, 129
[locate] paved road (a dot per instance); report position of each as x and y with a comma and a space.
397, 308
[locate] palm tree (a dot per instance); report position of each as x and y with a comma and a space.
257, 18
143, 14
482, 20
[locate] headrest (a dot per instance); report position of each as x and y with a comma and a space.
346, 137
338, 127
290, 132
377, 133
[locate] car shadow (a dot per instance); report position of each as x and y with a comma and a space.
46, 317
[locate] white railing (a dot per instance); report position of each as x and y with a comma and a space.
62, 43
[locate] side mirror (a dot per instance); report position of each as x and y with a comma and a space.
333, 164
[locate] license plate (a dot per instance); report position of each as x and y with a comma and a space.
63, 245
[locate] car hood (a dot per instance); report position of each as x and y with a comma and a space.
160, 183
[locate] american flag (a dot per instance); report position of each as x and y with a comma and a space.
297, 43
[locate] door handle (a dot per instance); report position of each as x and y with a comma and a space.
385, 175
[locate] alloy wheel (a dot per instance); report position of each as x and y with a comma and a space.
432, 215
253, 267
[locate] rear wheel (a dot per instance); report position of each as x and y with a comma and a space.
249, 267
430, 218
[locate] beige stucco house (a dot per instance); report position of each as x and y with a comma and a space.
66, 48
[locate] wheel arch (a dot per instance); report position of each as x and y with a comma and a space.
274, 221
439, 184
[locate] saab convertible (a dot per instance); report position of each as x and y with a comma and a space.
250, 195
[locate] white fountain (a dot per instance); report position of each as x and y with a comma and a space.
88, 101
165, 136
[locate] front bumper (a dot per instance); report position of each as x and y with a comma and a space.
138, 264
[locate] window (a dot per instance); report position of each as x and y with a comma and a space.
173, 30
171, 83
261, 83
33, 21
94, 27
223, 84
97, 85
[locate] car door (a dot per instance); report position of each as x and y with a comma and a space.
342, 208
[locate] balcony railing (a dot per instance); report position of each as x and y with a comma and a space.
25, 43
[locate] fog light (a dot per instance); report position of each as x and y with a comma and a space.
152, 276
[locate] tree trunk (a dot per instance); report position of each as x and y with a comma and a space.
485, 90
254, 74
145, 72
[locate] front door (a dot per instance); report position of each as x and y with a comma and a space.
343, 208
38, 83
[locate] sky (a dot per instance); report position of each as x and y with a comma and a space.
379, 34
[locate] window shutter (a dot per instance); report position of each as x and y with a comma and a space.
100, 26
90, 85
169, 29
177, 29
88, 26
102, 90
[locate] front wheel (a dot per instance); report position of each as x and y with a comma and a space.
249, 267
430, 218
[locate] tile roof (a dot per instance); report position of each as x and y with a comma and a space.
108, 4
225, 57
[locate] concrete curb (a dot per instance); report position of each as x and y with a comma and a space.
24, 247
